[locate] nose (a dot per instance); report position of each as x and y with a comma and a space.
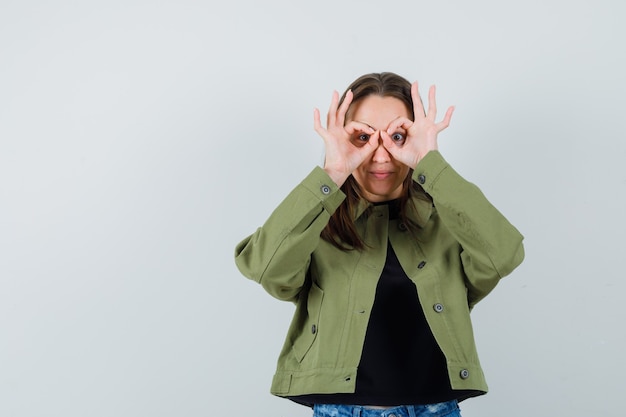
381, 155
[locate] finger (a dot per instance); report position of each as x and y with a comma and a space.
332, 111
386, 139
432, 103
418, 106
400, 122
372, 143
317, 124
446, 119
361, 153
353, 126
343, 109
388, 143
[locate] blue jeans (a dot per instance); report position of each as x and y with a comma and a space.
447, 409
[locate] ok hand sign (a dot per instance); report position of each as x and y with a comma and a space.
342, 156
421, 133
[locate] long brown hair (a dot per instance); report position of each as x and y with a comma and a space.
341, 230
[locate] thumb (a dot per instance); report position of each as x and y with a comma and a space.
389, 144
369, 147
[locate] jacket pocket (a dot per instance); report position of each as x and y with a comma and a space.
310, 328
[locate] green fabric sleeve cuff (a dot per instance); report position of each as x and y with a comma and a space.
429, 169
324, 188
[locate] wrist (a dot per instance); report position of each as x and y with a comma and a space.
338, 177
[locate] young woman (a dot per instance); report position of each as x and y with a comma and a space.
384, 251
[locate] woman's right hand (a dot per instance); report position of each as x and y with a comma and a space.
347, 146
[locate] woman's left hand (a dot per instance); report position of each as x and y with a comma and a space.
421, 134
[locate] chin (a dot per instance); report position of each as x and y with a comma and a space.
380, 195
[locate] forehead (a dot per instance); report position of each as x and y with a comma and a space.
377, 111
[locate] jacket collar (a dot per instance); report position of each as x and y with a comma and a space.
419, 212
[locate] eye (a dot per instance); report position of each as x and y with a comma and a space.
360, 139
398, 137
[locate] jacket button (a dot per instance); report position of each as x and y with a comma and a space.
402, 226
314, 329
438, 307
464, 374
421, 178
421, 265
325, 189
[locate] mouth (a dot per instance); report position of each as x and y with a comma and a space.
381, 175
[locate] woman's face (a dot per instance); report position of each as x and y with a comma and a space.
380, 176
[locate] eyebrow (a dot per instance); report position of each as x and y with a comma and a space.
373, 128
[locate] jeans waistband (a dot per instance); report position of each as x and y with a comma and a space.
429, 410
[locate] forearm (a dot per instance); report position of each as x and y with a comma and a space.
277, 255
492, 246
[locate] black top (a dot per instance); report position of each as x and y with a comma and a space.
401, 362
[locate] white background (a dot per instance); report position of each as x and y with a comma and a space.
140, 141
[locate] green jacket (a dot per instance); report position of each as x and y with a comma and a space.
462, 249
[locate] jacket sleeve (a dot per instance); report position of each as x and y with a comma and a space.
278, 254
491, 246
